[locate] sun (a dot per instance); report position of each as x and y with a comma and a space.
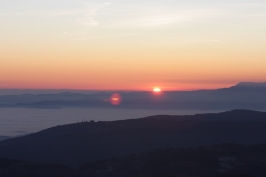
157, 89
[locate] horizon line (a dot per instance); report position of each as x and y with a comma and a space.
120, 90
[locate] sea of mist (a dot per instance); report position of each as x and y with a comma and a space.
28, 111
21, 121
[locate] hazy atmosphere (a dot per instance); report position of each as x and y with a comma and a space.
126, 45
144, 88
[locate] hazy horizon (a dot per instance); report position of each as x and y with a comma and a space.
40, 109
6, 91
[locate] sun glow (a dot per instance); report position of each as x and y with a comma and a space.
157, 89
115, 99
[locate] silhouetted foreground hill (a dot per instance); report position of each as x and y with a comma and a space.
4, 138
225, 160
16, 168
80, 143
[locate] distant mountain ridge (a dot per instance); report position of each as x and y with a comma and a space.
57, 91
241, 96
249, 86
80, 143
252, 84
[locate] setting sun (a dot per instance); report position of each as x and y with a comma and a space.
157, 89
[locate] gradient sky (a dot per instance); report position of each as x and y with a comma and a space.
128, 45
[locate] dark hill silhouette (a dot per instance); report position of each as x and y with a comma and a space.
16, 168
80, 143
225, 160
4, 138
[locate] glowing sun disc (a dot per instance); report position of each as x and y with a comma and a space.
157, 90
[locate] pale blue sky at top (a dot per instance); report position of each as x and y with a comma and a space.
71, 15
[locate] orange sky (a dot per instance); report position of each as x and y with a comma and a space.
131, 49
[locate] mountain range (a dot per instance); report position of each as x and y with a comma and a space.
241, 96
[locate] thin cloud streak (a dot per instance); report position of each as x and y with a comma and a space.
85, 15
252, 4
165, 18
90, 13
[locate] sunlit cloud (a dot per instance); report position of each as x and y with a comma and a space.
85, 14
252, 4
89, 14
163, 18
158, 21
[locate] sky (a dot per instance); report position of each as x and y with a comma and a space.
131, 45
